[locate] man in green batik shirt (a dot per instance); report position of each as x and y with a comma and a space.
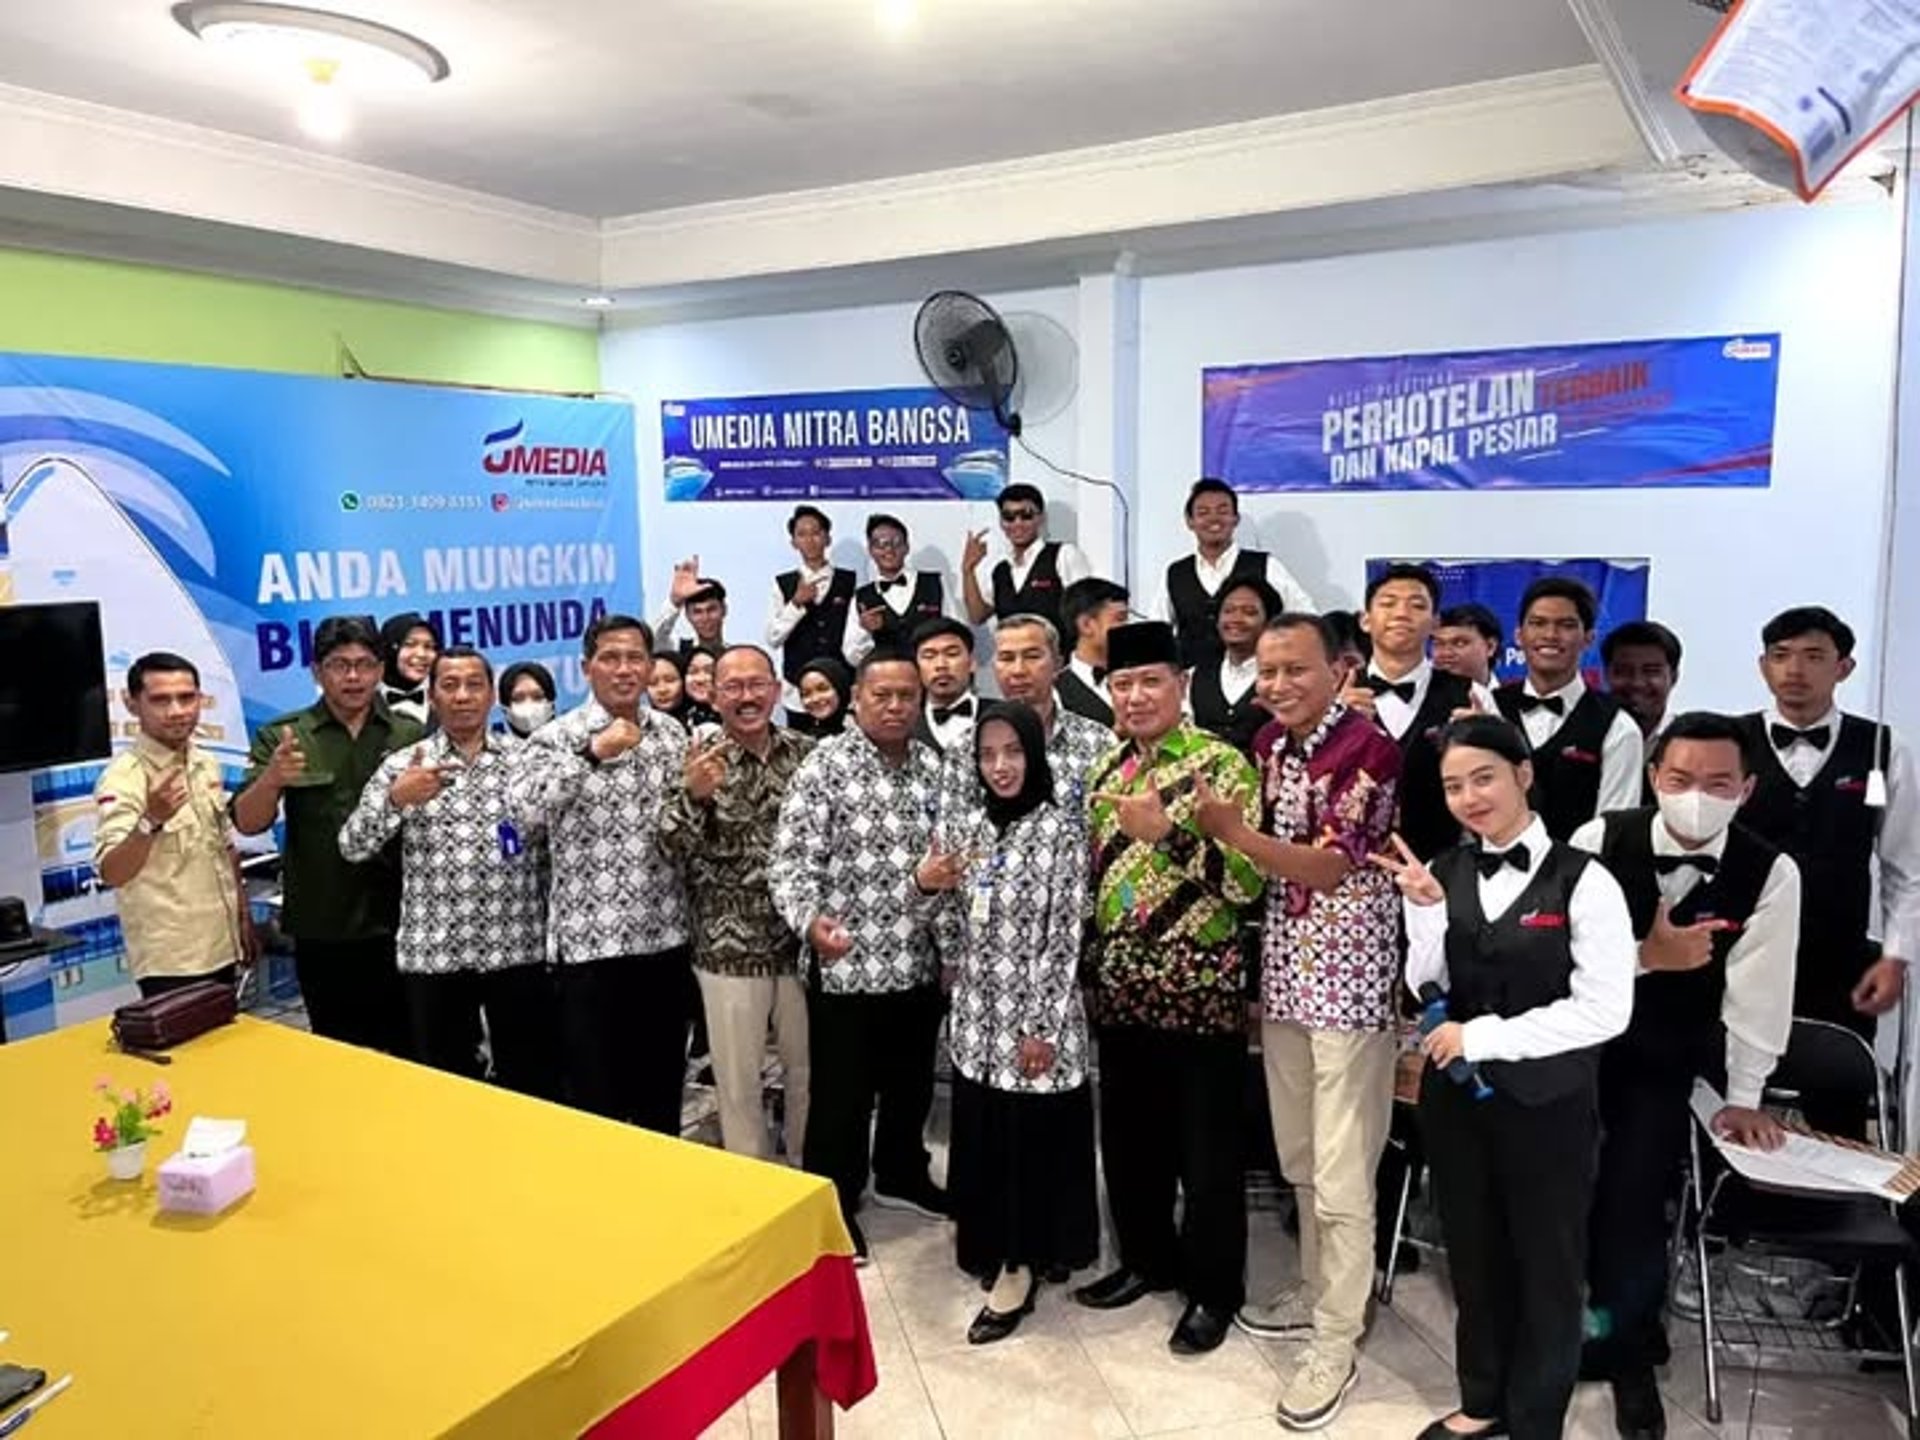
1170, 994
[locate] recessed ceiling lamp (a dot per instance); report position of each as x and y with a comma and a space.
597, 302
326, 53
896, 17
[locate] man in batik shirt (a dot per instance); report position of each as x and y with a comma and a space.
1169, 987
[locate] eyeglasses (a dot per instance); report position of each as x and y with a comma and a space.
1024, 513
340, 665
740, 689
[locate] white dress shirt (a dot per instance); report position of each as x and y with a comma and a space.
1083, 671
1757, 1007
1396, 715
1071, 563
1622, 753
957, 727
783, 614
857, 641
1605, 960
1237, 677
1213, 574
1898, 846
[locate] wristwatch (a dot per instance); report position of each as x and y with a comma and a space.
146, 825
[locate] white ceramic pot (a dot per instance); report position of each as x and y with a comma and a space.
127, 1161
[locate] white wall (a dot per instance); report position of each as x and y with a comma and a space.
1723, 560
744, 543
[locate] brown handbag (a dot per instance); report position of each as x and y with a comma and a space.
175, 1017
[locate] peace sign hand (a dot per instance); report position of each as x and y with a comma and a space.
942, 869
1415, 880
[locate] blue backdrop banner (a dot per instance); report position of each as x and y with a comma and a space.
1619, 585
1644, 413
908, 444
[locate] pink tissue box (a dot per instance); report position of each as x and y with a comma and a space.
206, 1184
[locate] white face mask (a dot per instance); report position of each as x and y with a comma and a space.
1695, 815
527, 716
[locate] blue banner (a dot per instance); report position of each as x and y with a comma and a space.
907, 444
1645, 413
1620, 586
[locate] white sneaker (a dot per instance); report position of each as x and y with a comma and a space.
1287, 1316
1318, 1387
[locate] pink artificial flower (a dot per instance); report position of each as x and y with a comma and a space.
104, 1135
103, 1085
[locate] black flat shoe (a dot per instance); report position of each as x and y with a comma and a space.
1637, 1411
991, 1325
1116, 1290
1494, 1430
1201, 1329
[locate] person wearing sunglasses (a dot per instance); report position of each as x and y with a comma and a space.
1031, 578
342, 916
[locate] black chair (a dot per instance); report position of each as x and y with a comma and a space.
1829, 1069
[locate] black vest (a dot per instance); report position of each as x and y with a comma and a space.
896, 631
1517, 963
1196, 614
1566, 770
1676, 1014
1830, 831
1237, 723
1081, 698
822, 629
1425, 822
1038, 594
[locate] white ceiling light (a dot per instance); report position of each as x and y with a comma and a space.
597, 302
897, 17
357, 53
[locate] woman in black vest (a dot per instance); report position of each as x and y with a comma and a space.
1527, 948
1224, 698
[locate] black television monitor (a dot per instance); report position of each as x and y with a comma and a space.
53, 686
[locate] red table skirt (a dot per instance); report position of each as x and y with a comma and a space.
823, 1306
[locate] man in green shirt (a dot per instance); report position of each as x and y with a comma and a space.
341, 916
1169, 991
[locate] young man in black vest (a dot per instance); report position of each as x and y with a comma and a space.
807, 616
1586, 749
1192, 588
896, 602
1089, 609
1467, 642
943, 651
1032, 577
703, 601
1836, 792
1411, 699
1716, 910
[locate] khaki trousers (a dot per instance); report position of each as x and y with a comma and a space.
739, 1009
1331, 1093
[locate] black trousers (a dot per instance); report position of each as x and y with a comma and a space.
1513, 1183
1644, 1120
353, 993
869, 1053
522, 1009
153, 985
623, 1021
1170, 1127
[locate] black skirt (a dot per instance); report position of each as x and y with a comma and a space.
1020, 1179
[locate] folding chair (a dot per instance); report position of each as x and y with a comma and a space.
1770, 1228
1403, 1138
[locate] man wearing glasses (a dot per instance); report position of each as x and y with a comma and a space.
1032, 577
1586, 748
719, 825
896, 602
341, 916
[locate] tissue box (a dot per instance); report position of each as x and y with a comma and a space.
206, 1184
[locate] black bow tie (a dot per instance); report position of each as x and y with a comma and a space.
1784, 736
944, 713
1554, 704
1380, 685
1099, 674
889, 584
1667, 864
1492, 862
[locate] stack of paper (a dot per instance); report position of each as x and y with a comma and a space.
1811, 1161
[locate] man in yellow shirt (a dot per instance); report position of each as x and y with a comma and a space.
161, 842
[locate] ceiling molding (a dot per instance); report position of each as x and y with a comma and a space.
1530, 127
1598, 23
61, 146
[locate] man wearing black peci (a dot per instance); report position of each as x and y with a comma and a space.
1586, 749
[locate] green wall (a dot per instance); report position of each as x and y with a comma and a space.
66, 305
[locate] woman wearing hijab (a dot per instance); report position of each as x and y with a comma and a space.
526, 697
826, 689
1020, 1173
411, 645
667, 689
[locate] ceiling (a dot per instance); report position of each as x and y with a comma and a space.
605, 108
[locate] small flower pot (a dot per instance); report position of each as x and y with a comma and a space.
125, 1162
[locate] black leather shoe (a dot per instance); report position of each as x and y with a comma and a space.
1598, 1360
1115, 1290
1494, 1430
991, 1325
1201, 1329
1637, 1411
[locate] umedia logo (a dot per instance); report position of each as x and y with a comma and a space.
503, 457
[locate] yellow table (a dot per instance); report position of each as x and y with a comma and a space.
422, 1256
